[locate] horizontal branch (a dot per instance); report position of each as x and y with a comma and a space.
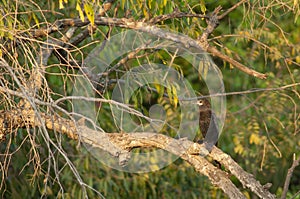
182, 148
175, 14
121, 143
151, 29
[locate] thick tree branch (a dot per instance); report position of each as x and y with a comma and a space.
212, 24
185, 40
121, 143
245, 178
117, 143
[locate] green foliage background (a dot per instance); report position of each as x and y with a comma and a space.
261, 130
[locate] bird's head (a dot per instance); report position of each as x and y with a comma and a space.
203, 104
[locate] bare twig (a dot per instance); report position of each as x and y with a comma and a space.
231, 9
289, 176
235, 63
175, 14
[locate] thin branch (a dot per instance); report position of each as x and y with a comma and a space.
231, 9
289, 176
235, 63
58, 25
254, 90
175, 14
61, 53
37, 76
130, 55
212, 24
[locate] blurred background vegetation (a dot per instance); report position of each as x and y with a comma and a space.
261, 130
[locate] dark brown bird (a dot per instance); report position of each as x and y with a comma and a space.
208, 126
205, 115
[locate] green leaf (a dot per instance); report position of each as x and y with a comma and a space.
175, 97
2, 33
123, 4
169, 92
165, 2
159, 88
36, 20
254, 139
202, 6
89, 13
203, 69
81, 15
61, 3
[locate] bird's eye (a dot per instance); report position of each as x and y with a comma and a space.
200, 102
